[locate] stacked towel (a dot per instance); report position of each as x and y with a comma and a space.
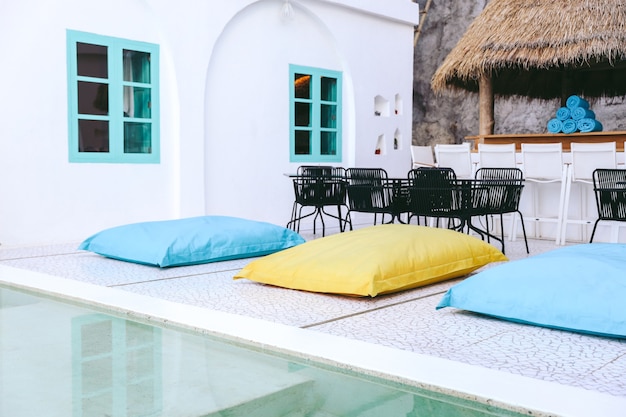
569, 126
582, 113
589, 125
575, 117
555, 126
575, 101
563, 113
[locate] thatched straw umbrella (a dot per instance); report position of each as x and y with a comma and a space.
539, 49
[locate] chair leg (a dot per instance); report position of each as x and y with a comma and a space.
292, 223
568, 190
318, 213
342, 221
341, 224
523, 229
501, 231
513, 229
562, 196
297, 220
594, 230
347, 220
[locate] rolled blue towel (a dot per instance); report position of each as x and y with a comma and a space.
575, 101
589, 125
569, 126
563, 113
555, 126
582, 113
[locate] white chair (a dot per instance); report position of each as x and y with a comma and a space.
542, 163
455, 156
422, 156
496, 155
586, 157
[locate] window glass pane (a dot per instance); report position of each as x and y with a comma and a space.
303, 114
91, 60
137, 137
137, 102
328, 89
302, 86
136, 66
328, 116
328, 143
93, 98
303, 142
93, 136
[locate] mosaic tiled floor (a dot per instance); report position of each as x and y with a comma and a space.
406, 320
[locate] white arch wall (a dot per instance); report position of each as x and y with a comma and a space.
247, 110
247, 103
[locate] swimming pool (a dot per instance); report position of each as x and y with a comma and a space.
129, 355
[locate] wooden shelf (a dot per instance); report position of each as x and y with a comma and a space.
566, 139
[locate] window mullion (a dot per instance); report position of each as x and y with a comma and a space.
315, 116
116, 98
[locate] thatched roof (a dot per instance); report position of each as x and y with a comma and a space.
542, 49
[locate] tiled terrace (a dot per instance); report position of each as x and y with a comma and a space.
406, 321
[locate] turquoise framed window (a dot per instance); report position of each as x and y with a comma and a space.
315, 114
113, 99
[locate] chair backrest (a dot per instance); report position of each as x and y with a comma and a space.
319, 185
431, 176
495, 174
610, 191
455, 156
365, 176
496, 155
587, 157
367, 190
433, 192
502, 190
542, 161
422, 156
321, 171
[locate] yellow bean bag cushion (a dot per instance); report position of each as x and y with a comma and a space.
374, 260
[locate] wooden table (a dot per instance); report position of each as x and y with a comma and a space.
566, 139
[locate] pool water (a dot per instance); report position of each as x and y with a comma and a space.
63, 359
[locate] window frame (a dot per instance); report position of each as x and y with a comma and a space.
316, 103
115, 116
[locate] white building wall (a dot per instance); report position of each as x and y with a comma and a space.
216, 134
247, 146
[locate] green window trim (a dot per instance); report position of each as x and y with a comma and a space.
113, 97
315, 115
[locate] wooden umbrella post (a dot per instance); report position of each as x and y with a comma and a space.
485, 105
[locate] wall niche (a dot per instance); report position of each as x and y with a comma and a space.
381, 106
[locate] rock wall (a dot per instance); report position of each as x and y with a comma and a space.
449, 118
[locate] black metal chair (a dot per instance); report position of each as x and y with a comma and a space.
499, 191
319, 187
433, 193
609, 186
369, 192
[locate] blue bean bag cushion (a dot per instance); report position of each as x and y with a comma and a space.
190, 241
581, 288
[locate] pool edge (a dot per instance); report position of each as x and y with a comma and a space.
497, 388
